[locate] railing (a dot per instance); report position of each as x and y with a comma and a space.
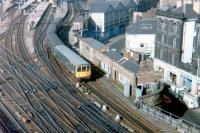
173, 121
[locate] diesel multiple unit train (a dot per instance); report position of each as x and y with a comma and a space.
80, 68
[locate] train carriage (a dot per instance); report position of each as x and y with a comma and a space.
73, 62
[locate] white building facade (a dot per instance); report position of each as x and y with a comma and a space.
183, 79
140, 37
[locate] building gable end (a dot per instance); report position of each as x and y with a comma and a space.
110, 9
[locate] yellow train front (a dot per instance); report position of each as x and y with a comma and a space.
73, 62
83, 71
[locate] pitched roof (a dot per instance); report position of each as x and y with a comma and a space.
127, 3
184, 12
131, 66
99, 7
102, 6
145, 26
187, 10
117, 56
93, 43
114, 3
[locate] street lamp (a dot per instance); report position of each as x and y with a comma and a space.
82, 31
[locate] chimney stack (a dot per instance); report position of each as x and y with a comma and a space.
179, 3
196, 6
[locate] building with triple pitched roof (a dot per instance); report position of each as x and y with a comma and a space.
110, 17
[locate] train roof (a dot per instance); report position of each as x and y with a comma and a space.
51, 28
71, 55
53, 39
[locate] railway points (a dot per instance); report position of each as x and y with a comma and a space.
42, 94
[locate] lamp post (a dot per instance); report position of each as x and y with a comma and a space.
82, 31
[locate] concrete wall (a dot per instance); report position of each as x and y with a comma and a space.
134, 42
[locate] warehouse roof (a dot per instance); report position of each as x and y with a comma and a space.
51, 28
99, 7
145, 26
71, 55
53, 39
115, 4
127, 3
93, 43
114, 55
131, 66
102, 6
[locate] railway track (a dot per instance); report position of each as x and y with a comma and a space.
11, 49
10, 13
56, 105
29, 97
11, 59
71, 90
141, 124
138, 123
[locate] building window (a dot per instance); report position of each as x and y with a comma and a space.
106, 67
173, 58
162, 38
121, 79
161, 53
163, 25
174, 42
174, 27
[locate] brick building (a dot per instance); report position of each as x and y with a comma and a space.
116, 67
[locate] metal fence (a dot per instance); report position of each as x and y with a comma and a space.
173, 121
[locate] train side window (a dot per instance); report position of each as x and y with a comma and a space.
83, 68
79, 69
88, 68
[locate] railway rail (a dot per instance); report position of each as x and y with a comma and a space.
70, 89
11, 61
52, 105
17, 77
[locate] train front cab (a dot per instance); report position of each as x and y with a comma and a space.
83, 72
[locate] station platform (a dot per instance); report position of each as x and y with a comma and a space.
27, 3
36, 14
